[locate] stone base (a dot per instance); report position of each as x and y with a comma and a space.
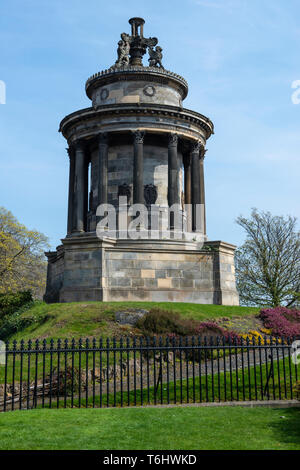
85, 268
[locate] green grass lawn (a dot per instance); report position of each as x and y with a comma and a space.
222, 428
78, 319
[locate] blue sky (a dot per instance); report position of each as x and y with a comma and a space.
239, 58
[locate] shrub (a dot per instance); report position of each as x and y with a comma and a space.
211, 330
19, 320
257, 338
170, 324
161, 322
281, 321
11, 302
265, 331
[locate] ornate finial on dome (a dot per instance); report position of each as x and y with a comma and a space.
132, 48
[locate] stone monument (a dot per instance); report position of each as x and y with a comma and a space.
137, 143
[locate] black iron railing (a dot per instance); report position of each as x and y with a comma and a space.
141, 371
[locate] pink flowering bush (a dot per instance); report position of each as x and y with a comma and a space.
173, 326
211, 331
281, 320
211, 334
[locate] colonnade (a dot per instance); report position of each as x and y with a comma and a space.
194, 193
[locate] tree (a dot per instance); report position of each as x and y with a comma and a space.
22, 260
268, 263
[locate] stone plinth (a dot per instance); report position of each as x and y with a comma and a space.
156, 270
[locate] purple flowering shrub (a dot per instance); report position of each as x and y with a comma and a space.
209, 331
281, 320
172, 325
211, 334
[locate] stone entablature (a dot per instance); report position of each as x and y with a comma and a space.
160, 110
154, 118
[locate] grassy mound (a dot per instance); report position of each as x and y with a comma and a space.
94, 319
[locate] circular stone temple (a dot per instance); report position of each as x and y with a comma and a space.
138, 145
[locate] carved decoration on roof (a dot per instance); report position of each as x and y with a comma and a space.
132, 48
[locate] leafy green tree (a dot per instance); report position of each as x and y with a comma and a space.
22, 260
268, 263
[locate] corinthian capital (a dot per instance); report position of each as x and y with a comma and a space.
138, 137
202, 153
103, 138
79, 144
173, 139
196, 147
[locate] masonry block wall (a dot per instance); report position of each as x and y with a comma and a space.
175, 272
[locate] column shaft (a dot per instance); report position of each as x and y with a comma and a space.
187, 180
202, 188
173, 176
80, 187
71, 190
102, 168
188, 190
86, 192
173, 171
195, 182
138, 168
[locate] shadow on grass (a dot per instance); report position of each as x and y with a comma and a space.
287, 429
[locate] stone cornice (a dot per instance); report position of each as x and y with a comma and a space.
131, 72
88, 240
54, 256
154, 110
221, 246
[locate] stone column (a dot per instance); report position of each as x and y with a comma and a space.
188, 190
86, 188
102, 167
71, 190
195, 183
202, 188
138, 168
173, 171
173, 175
80, 186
